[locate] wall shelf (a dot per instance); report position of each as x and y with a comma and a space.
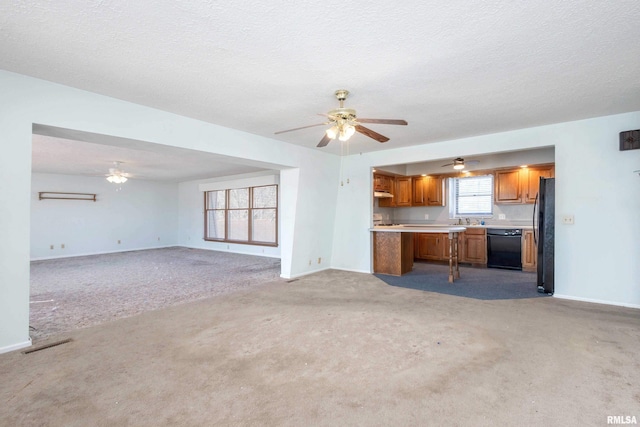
42, 195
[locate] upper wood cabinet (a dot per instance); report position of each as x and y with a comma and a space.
404, 190
435, 191
428, 191
389, 202
519, 185
419, 196
532, 183
507, 186
381, 182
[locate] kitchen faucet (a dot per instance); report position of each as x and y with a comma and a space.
468, 221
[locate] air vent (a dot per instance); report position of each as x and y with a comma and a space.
630, 140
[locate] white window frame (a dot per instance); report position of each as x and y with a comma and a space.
454, 202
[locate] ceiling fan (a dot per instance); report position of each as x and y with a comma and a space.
459, 163
344, 123
117, 175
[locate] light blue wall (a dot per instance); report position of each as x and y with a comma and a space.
596, 259
308, 193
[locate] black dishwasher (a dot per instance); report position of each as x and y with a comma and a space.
504, 248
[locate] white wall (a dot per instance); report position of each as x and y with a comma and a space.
596, 259
308, 184
141, 214
191, 214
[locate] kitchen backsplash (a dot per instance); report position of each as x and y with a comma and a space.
514, 215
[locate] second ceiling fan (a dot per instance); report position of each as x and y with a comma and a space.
344, 123
459, 163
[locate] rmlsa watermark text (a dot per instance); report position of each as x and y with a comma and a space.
622, 419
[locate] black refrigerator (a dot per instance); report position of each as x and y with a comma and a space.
543, 233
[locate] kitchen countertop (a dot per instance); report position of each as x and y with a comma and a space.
420, 228
506, 226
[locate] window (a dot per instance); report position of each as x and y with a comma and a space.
471, 196
242, 215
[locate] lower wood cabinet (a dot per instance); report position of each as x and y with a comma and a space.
432, 246
429, 246
529, 251
473, 246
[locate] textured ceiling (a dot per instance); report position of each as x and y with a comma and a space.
451, 69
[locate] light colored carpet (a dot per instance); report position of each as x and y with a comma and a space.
72, 293
336, 348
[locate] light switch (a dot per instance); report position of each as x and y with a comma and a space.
567, 219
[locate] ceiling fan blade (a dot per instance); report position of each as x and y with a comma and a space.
448, 164
371, 134
383, 121
302, 127
471, 162
324, 141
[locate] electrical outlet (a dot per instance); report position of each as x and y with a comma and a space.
319, 260
62, 246
426, 216
118, 241
502, 216
309, 262
158, 239
50, 246
568, 219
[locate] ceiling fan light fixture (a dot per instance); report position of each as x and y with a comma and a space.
333, 131
116, 176
458, 166
116, 179
346, 132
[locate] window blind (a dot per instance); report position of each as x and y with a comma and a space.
472, 196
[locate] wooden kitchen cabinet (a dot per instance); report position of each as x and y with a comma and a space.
432, 246
428, 191
529, 251
532, 182
404, 191
389, 202
507, 186
473, 246
418, 184
519, 185
381, 182
429, 246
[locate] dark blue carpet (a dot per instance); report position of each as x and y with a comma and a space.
478, 283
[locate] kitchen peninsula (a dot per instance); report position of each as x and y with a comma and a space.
393, 248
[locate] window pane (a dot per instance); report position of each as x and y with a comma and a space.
239, 198
239, 225
215, 199
472, 196
215, 224
263, 226
265, 197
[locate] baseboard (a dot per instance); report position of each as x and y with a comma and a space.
295, 276
102, 253
15, 347
230, 251
352, 270
596, 301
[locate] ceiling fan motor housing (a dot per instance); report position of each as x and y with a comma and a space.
346, 114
